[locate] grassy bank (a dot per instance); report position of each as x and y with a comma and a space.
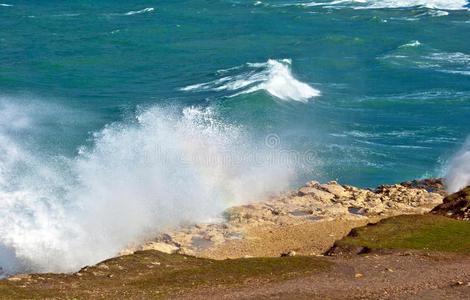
148, 274
418, 232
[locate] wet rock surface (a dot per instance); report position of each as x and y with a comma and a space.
432, 185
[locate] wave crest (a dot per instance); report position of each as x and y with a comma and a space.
273, 76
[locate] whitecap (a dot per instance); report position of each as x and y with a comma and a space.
424, 57
134, 12
380, 4
433, 4
274, 76
411, 44
467, 73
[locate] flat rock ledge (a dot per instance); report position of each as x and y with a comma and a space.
307, 220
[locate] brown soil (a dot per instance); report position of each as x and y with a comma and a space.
391, 274
410, 275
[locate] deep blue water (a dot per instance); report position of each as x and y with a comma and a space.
374, 92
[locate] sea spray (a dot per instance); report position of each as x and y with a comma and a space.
458, 175
164, 167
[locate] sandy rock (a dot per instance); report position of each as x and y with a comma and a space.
215, 236
313, 202
19, 277
316, 194
159, 246
125, 252
186, 251
312, 183
334, 188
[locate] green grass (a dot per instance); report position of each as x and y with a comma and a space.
419, 232
462, 193
150, 274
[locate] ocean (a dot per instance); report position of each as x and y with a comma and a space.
120, 119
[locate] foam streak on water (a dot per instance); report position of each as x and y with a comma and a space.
135, 12
377, 4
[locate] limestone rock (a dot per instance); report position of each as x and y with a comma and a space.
159, 246
313, 202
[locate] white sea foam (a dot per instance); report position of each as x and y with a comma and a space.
467, 73
411, 44
415, 54
438, 13
454, 63
333, 3
378, 4
458, 174
134, 12
452, 57
163, 167
273, 76
434, 4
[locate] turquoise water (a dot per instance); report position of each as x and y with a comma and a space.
363, 92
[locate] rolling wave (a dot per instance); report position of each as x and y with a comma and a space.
274, 76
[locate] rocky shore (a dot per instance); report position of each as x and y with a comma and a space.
280, 224
404, 241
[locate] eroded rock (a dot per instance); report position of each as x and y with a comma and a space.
313, 202
159, 246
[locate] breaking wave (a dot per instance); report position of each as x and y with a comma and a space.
273, 76
377, 4
162, 167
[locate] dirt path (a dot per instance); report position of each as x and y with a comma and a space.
392, 276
